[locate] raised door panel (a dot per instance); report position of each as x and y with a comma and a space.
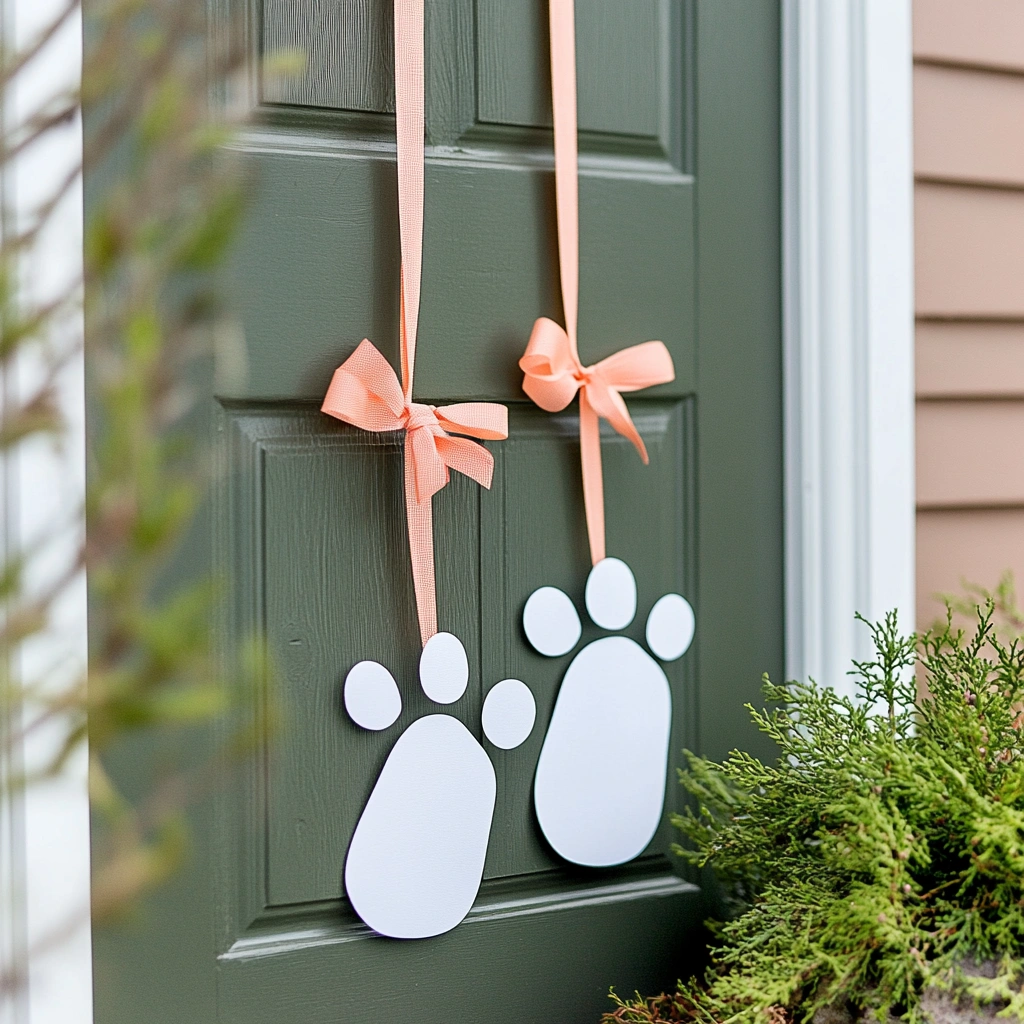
347, 48
320, 505
317, 272
633, 39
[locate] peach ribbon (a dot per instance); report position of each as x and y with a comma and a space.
551, 365
365, 390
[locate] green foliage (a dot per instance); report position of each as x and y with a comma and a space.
882, 854
163, 202
1007, 617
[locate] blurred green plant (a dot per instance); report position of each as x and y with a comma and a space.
876, 869
163, 203
1007, 615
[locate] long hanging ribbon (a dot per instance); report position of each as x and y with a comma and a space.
551, 364
365, 390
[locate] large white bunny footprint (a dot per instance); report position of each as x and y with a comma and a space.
600, 784
417, 854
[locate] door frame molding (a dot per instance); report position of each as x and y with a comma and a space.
848, 327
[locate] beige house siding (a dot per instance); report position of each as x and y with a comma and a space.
969, 236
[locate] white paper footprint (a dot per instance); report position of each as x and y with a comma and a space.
417, 854
600, 784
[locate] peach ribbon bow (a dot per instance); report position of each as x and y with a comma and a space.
365, 390
553, 374
551, 365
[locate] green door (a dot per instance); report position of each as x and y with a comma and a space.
680, 240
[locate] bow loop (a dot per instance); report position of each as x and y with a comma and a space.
552, 373
365, 392
485, 420
637, 367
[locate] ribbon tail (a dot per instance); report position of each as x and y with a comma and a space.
593, 479
420, 522
609, 403
429, 470
467, 457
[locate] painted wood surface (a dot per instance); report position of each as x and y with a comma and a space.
632, 39
348, 51
969, 163
680, 231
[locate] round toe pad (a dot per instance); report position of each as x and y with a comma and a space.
670, 627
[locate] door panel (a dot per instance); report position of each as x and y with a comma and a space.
637, 40
323, 505
510, 961
349, 50
318, 271
307, 517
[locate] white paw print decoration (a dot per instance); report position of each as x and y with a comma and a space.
600, 784
417, 854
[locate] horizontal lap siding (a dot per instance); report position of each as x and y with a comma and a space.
967, 125
964, 546
970, 251
957, 359
979, 33
969, 200
970, 454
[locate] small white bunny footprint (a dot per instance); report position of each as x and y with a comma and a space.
417, 854
600, 784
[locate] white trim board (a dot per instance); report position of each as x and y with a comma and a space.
44, 831
848, 307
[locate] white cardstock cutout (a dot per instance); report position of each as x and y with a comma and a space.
509, 713
597, 809
417, 855
416, 858
551, 623
611, 594
444, 668
670, 627
371, 696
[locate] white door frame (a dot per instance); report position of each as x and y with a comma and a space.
849, 327
849, 441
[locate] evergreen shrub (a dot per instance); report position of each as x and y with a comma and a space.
877, 867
